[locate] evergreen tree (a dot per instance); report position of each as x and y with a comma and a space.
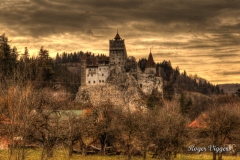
58, 58
238, 92
185, 104
8, 59
75, 57
43, 54
142, 63
45, 64
64, 57
154, 100
25, 55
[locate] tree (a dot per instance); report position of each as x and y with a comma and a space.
45, 65
18, 102
45, 124
220, 123
169, 133
154, 100
25, 55
43, 54
185, 104
238, 92
142, 63
69, 130
129, 122
8, 59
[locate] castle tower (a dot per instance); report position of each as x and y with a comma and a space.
83, 69
150, 67
117, 52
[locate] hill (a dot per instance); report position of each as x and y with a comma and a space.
229, 88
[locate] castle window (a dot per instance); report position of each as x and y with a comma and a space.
99, 81
103, 81
102, 74
93, 81
119, 58
99, 69
140, 85
89, 81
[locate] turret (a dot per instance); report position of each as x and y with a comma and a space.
150, 67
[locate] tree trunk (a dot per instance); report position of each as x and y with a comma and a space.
220, 156
84, 150
49, 151
70, 149
10, 151
129, 154
103, 141
145, 152
145, 155
214, 156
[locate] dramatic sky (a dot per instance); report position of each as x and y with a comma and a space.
200, 36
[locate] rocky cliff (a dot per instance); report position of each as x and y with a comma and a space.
121, 89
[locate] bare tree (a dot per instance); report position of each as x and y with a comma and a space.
222, 121
168, 132
70, 130
18, 103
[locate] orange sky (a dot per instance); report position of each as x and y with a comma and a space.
201, 37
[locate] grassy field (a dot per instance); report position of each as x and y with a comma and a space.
63, 155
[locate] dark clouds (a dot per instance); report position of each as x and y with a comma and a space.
43, 17
186, 32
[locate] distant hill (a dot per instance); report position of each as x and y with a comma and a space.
229, 88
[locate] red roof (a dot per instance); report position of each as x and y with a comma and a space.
199, 122
150, 62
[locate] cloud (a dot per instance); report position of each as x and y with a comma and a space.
189, 33
231, 73
42, 17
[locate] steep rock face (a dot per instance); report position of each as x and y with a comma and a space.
121, 90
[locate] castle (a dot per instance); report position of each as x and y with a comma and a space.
95, 70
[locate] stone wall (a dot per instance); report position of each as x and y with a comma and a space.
148, 83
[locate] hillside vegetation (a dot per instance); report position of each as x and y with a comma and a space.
230, 88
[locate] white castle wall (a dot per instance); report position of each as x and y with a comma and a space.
97, 75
